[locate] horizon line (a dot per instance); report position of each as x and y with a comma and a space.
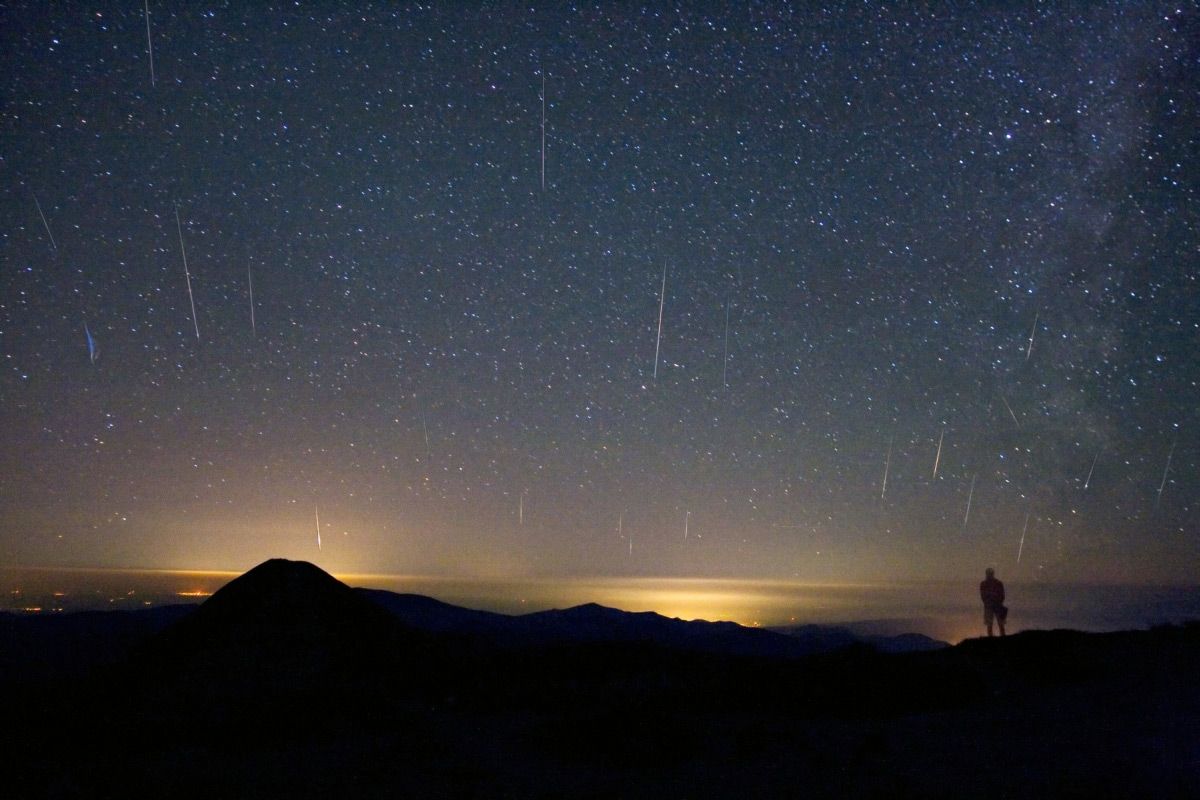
601, 578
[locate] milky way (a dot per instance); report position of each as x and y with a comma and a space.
889, 236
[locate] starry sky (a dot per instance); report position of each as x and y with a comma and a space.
928, 283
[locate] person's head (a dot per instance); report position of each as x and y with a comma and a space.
989, 572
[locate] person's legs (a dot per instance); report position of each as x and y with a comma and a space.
987, 619
1001, 618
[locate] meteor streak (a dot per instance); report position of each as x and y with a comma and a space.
1166, 469
1022, 545
1010, 411
149, 42
725, 356
937, 459
543, 131
970, 496
317, 514
662, 300
187, 275
887, 465
53, 244
1093, 469
250, 281
1032, 332
91, 343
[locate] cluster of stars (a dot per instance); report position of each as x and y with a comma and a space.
835, 293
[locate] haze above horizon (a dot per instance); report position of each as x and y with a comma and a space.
832, 293
945, 610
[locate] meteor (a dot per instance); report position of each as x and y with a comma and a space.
93, 351
53, 244
187, 275
1021, 546
250, 281
1093, 469
662, 300
149, 42
937, 459
1032, 333
543, 131
1166, 469
1010, 411
887, 464
725, 356
970, 496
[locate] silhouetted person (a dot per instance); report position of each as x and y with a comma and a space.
991, 592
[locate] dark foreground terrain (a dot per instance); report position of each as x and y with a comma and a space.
287, 683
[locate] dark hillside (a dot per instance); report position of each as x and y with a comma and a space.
289, 684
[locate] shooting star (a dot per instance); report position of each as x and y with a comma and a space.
93, 351
250, 282
887, 465
1010, 411
543, 131
970, 497
725, 356
662, 299
1032, 333
187, 275
1022, 545
1088, 481
53, 244
149, 41
1166, 469
521, 509
425, 428
687, 515
938, 458
317, 514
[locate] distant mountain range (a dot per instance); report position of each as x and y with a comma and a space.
279, 592
288, 683
826, 638
595, 623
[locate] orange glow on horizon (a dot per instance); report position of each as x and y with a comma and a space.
946, 610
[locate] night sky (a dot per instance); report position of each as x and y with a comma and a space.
881, 229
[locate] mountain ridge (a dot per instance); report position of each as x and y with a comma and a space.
593, 622
292, 684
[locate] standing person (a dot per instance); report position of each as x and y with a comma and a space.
991, 592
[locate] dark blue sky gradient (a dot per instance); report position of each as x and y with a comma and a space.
456, 365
